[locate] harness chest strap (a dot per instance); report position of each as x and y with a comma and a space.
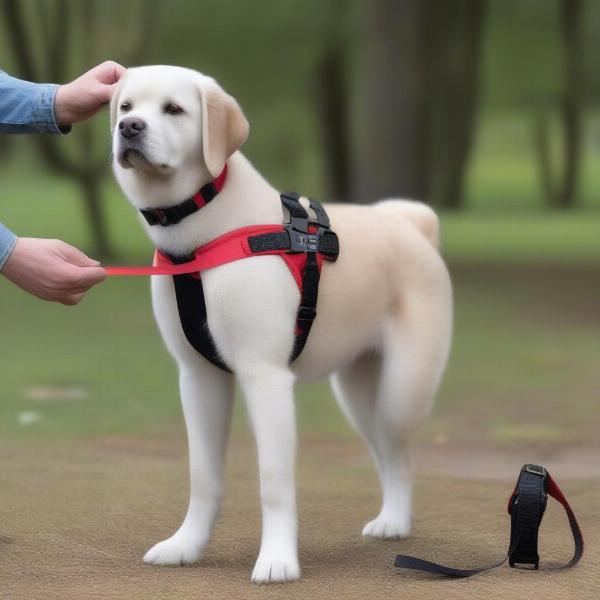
230, 247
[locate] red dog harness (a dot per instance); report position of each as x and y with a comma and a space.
302, 243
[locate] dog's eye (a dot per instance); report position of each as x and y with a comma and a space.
125, 107
173, 109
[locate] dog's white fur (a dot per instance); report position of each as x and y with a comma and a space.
382, 333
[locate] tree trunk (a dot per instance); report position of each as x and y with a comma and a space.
393, 150
559, 185
332, 103
541, 137
458, 31
91, 193
572, 18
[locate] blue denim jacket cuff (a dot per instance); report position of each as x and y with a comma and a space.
7, 242
44, 111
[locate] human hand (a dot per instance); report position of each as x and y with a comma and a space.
83, 97
52, 270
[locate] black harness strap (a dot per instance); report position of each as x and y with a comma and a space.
526, 508
302, 234
192, 314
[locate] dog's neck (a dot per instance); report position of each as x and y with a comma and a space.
246, 199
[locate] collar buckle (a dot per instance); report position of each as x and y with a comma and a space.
161, 216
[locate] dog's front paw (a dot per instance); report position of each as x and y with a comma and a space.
387, 527
179, 549
275, 568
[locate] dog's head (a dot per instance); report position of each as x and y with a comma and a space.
166, 120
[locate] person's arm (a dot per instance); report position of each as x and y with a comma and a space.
7, 242
27, 107
51, 269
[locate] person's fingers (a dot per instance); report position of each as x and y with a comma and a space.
89, 276
76, 256
104, 93
109, 90
109, 72
72, 299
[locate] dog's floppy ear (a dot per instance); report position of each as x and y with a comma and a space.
224, 126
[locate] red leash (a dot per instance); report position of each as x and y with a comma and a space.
189, 267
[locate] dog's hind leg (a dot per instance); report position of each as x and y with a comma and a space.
207, 399
355, 389
416, 345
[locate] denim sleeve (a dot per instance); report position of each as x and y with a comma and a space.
27, 107
7, 242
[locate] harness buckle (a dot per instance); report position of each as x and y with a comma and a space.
300, 239
306, 313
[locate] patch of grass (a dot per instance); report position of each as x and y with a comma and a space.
522, 237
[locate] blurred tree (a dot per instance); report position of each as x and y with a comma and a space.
55, 39
393, 147
421, 92
332, 97
560, 189
332, 103
457, 33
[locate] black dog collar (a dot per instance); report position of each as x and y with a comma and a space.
171, 215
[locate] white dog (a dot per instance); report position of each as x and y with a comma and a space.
382, 332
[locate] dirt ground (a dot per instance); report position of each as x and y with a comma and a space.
76, 518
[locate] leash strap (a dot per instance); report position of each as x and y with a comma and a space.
526, 508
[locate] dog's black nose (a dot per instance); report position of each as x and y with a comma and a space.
131, 126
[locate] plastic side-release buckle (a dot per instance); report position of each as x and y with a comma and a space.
302, 241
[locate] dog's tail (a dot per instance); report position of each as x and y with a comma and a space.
419, 214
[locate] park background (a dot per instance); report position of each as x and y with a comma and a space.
489, 110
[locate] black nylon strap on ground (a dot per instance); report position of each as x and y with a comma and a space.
526, 507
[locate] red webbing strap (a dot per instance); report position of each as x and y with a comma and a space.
227, 248
212, 188
554, 491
